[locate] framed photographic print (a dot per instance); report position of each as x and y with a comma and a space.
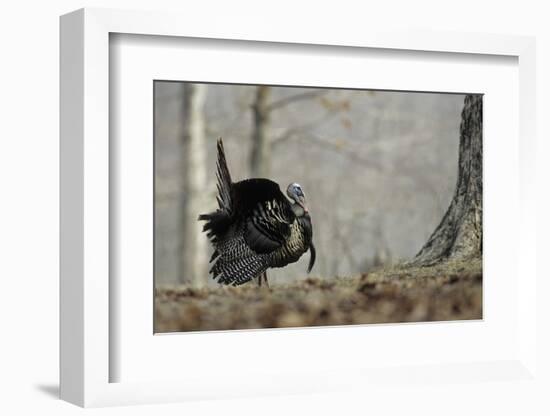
261, 214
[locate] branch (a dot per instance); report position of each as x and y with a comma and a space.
345, 149
294, 98
303, 128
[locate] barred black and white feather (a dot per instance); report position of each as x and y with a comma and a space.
254, 228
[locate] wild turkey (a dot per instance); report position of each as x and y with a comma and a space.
255, 227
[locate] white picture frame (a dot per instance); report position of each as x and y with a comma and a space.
87, 301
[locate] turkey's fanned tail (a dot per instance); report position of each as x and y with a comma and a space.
218, 221
224, 180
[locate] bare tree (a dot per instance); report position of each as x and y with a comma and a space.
193, 247
260, 156
459, 235
262, 143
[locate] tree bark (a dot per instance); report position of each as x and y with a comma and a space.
459, 234
193, 249
260, 157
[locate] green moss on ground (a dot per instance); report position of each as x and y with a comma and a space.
449, 291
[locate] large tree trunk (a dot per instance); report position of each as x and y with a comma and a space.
459, 235
260, 157
193, 249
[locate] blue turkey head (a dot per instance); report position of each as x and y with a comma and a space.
294, 192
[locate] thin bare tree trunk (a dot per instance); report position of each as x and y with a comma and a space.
193, 249
459, 235
260, 157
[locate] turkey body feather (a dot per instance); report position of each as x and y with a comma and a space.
255, 227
